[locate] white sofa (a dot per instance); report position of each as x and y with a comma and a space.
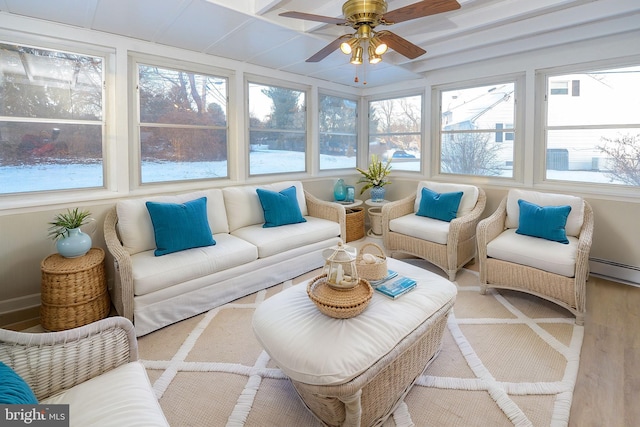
94, 369
155, 291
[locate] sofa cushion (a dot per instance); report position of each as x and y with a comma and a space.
546, 222
535, 252
574, 220
243, 205
151, 273
442, 206
279, 208
13, 389
423, 228
274, 240
122, 396
180, 226
134, 223
469, 195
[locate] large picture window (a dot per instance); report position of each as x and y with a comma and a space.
338, 132
277, 129
183, 125
477, 130
395, 131
593, 127
51, 120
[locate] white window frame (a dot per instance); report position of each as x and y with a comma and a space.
68, 196
424, 143
134, 60
358, 101
261, 80
540, 181
518, 79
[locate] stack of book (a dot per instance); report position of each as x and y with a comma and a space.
396, 288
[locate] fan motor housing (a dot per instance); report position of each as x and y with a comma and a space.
359, 12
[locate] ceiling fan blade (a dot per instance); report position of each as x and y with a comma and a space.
420, 9
317, 18
325, 51
402, 46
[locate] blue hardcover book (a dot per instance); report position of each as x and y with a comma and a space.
396, 288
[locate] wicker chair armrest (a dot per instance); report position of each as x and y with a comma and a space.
56, 361
122, 288
397, 209
582, 257
464, 227
327, 210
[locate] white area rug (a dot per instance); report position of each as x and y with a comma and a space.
508, 359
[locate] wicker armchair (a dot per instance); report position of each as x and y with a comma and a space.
460, 245
56, 361
94, 369
568, 291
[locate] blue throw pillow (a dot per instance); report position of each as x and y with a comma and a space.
180, 226
547, 222
13, 389
442, 206
280, 208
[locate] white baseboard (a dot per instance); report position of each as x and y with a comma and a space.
627, 274
18, 304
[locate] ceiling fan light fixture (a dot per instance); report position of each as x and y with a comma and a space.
356, 58
379, 47
373, 57
347, 46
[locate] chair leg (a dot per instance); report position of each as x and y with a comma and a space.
452, 275
483, 289
580, 319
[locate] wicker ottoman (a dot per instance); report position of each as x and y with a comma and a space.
354, 372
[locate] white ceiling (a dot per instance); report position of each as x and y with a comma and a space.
251, 30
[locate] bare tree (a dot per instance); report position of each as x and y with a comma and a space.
470, 154
624, 155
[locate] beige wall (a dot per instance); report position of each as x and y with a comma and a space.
24, 242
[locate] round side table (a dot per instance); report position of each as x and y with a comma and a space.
73, 291
375, 217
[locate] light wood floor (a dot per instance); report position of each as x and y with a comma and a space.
608, 384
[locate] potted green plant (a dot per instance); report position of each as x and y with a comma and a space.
71, 242
375, 177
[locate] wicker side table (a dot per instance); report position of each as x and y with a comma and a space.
73, 291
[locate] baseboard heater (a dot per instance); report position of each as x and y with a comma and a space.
623, 273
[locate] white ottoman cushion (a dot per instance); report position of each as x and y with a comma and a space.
316, 349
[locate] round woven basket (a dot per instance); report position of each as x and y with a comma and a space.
373, 271
337, 303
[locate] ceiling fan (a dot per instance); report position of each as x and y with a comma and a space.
365, 15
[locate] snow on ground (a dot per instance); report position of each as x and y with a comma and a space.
43, 177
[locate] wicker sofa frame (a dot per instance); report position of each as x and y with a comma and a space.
568, 292
461, 242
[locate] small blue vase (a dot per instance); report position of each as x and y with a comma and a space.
75, 244
340, 191
377, 194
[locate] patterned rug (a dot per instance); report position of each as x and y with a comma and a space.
508, 359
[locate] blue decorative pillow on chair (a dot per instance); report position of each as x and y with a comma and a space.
280, 208
180, 226
546, 222
442, 206
13, 389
